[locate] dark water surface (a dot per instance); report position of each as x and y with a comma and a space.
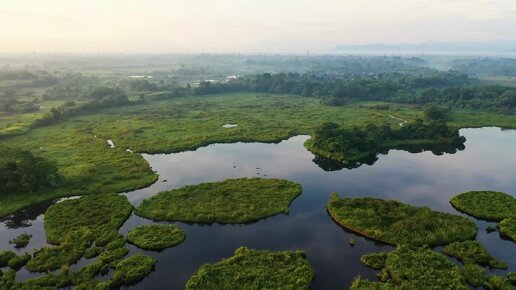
423, 179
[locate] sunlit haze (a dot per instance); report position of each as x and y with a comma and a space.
285, 26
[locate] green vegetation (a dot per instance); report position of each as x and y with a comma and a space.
19, 261
352, 145
74, 224
374, 260
489, 205
93, 252
474, 274
156, 237
230, 201
87, 165
251, 269
499, 283
21, 240
5, 256
22, 172
397, 223
363, 284
472, 252
416, 268
97, 217
508, 228
131, 270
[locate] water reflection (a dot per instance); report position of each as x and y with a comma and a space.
422, 179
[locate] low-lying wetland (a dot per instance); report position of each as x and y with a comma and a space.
422, 179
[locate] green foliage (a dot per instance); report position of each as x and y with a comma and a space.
53, 258
21, 172
99, 215
156, 236
7, 279
21, 240
508, 228
350, 145
512, 278
499, 283
109, 256
363, 284
474, 274
93, 252
489, 205
230, 201
251, 269
17, 262
472, 252
433, 112
5, 256
397, 223
131, 270
416, 268
374, 260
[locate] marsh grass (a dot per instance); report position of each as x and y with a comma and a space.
251, 269
131, 270
416, 268
21, 241
156, 236
491, 206
472, 252
240, 200
394, 222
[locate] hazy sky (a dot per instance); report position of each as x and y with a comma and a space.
168, 26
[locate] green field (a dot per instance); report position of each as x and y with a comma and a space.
88, 165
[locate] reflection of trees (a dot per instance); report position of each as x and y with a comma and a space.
23, 218
437, 149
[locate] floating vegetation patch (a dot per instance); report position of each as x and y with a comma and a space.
231, 201
156, 237
394, 222
489, 205
416, 268
251, 269
21, 241
131, 270
472, 252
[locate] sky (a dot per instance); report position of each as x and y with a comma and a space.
240, 26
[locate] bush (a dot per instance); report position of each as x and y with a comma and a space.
156, 237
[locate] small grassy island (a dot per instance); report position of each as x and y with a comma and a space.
251, 269
472, 252
231, 201
414, 268
351, 145
72, 225
393, 222
21, 241
156, 237
489, 205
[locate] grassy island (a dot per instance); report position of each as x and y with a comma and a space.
472, 252
394, 222
156, 237
131, 270
21, 240
251, 269
489, 205
72, 225
231, 201
415, 268
351, 145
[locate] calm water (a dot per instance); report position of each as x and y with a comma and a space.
423, 179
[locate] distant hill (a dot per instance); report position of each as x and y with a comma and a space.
431, 47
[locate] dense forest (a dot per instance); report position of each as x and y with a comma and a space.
345, 145
22, 172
